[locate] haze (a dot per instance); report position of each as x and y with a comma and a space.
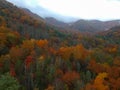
82, 9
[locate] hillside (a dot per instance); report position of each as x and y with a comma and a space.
84, 25
54, 22
29, 24
17, 19
94, 25
33, 15
112, 35
36, 56
8, 13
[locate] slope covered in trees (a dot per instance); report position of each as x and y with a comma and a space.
112, 35
41, 58
91, 26
17, 19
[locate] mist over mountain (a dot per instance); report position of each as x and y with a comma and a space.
46, 13
70, 23
39, 53
43, 12
65, 22
83, 25
69, 11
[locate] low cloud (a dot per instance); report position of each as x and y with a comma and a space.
85, 9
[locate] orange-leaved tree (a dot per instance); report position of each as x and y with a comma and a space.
100, 83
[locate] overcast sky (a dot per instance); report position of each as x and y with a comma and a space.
84, 9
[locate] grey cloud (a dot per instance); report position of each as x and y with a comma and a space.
35, 8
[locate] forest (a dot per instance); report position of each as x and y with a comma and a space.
37, 56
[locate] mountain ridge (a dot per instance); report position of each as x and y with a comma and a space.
84, 25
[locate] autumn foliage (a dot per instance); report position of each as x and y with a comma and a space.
43, 58
42, 43
28, 61
70, 77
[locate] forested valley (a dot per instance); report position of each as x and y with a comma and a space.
37, 56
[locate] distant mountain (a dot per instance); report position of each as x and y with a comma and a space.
112, 23
55, 22
116, 28
94, 25
84, 25
112, 32
111, 36
63, 22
